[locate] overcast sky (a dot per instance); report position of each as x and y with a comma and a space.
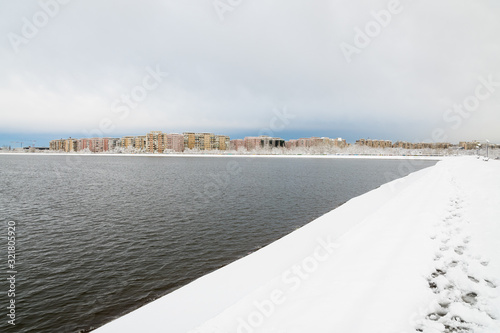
289, 68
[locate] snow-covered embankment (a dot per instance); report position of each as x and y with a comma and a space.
420, 254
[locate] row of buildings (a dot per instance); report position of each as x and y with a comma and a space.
402, 144
159, 142
467, 145
476, 145
264, 142
153, 142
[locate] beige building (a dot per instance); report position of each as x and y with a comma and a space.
374, 143
140, 142
189, 140
127, 142
154, 142
421, 145
469, 145
206, 141
57, 145
70, 145
339, 142
223, 142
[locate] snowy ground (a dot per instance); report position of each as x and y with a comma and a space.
420, 254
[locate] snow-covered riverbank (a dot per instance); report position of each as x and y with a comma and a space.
419, 254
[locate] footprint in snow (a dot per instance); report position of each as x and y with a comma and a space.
473, 279
437, 273
490, 284
470, 298
433, 286
459, 250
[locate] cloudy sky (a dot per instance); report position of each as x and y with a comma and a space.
408, 70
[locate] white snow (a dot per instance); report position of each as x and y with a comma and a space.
419, 254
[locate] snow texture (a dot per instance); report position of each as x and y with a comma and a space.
419, 254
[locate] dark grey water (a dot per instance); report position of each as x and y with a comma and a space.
98, 236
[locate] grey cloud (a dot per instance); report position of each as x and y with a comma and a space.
229, 75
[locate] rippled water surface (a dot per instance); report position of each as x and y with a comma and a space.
98, 236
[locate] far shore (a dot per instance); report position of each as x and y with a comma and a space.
327, 156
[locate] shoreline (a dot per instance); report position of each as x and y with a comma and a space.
325, 156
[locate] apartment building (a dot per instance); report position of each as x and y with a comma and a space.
262, 142
223, 142
442, 145
189, 140
374, 143
196, 141
252, 142
70, 145
304, 143
127, 142
57, 145
316, 142
134, 142
66, 145
206, 141
154, 142
98, 145
237, 144
95, 145
291, 144
339, 142
402, 144
140, 142
421, 145
469, 145
174, 142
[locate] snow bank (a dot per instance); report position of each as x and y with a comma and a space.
419, 254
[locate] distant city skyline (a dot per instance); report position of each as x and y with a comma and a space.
43, 140
159, 142
394, 70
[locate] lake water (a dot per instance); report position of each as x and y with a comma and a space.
99, 236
